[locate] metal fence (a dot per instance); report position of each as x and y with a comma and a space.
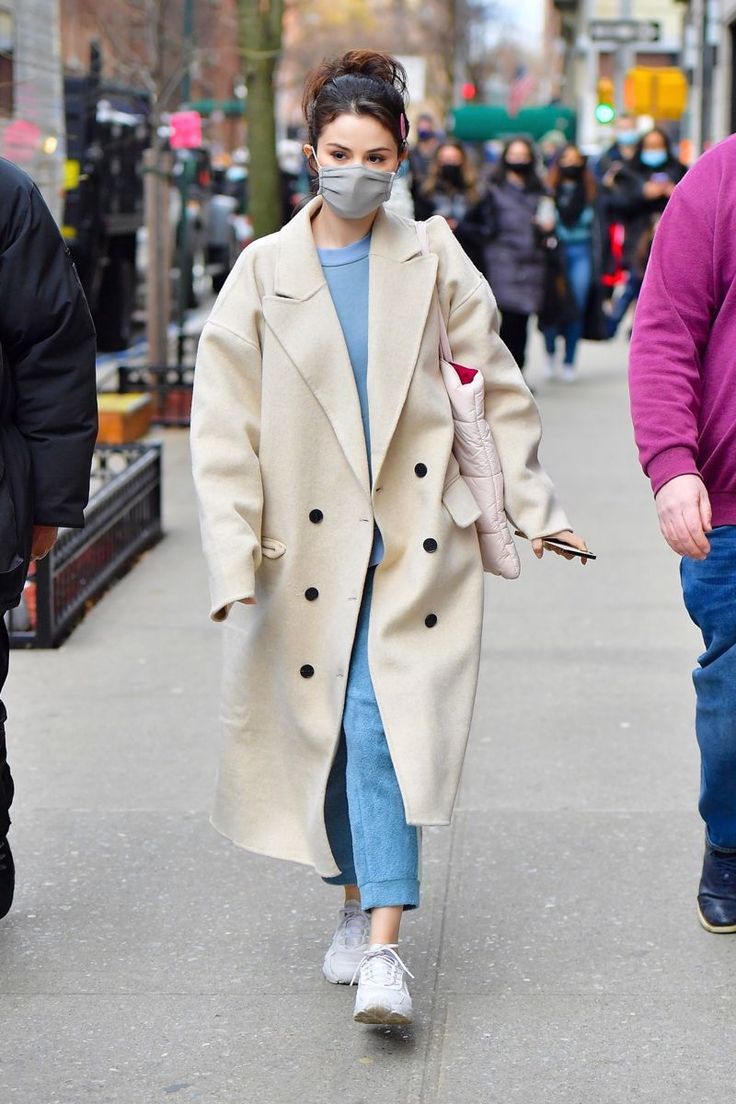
123, 519
169, 387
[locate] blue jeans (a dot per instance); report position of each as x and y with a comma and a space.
628, 296
372, 844
579, 270
709, 590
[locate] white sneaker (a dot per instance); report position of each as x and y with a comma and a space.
550, 366
569, 373
349, 944
383, 995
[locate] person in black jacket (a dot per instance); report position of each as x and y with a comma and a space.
48, 414
637, 195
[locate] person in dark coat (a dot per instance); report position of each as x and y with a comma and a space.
48, 415
637, 196
513, 220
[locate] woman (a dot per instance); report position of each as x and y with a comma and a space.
574, 190
451, 189
637, 196
513, 221
336, 526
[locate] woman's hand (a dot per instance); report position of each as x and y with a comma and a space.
568, 537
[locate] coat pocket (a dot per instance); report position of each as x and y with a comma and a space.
272, 548
458, 500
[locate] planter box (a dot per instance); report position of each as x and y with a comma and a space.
123, 519
123, 418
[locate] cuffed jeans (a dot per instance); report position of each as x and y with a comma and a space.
371, 842
709, 590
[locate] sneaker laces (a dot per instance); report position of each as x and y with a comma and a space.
352, 927
375, 962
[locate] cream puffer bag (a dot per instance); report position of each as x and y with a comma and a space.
476, 453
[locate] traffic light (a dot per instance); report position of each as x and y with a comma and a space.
605, 110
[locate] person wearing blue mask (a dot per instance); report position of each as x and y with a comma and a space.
637, 196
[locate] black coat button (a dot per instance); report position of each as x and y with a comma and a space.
430, 545
306, 671
316, 516
420, 470
311, 593
430, 620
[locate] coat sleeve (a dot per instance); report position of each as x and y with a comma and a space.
48, 343
510, 409
225, 432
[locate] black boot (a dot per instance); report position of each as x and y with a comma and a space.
7, 877
717, 893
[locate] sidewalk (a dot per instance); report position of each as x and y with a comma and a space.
557, 953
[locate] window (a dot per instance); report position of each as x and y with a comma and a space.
7, 49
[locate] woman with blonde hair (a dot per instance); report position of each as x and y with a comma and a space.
338, 532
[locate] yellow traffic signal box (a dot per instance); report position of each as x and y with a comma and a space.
661, 93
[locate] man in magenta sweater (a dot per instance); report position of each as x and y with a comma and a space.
683, 400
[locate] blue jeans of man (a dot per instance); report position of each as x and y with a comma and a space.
579, 270
709, 590
372, 844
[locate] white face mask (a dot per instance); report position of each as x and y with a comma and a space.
353, 191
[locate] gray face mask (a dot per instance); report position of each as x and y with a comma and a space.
354, 191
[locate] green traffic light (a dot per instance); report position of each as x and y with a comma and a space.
605, 112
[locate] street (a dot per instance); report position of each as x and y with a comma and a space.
557, 954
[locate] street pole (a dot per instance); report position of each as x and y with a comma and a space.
696, 92
623, 58
158, 298
183, 178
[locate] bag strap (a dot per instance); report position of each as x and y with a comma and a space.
445, 348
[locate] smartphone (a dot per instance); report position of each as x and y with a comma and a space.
568, 548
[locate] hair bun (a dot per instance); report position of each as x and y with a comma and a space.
371, 64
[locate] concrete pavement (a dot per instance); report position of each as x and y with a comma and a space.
557, 953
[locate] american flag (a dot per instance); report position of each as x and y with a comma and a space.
522, 86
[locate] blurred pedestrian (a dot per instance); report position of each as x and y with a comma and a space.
637, 195
621, 150
550, 145
336, 511
574, 190
48, 415
422, 153
683, 400
513, 220
450, 187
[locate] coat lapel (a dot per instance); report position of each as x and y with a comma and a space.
303, 318
402, 283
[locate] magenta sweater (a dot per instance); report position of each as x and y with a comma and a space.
682, 369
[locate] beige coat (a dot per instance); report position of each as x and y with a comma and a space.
286, 505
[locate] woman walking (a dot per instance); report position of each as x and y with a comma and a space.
574, 190
339, 535
513, 220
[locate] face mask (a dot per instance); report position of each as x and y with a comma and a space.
627, 138
654, 159
425, 134
353, 191
523, 168
453, 174
571, 172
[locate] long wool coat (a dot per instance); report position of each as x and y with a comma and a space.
287, 512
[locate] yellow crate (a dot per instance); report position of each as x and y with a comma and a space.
123, 418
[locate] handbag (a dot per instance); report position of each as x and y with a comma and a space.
476, 452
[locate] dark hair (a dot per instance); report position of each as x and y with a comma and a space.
534, 183
361, 82
663, 135
588, 180
470, 175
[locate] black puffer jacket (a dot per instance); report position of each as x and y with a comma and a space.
48, 394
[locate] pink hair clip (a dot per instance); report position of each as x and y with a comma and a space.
403, 126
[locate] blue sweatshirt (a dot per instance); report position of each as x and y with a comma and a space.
346, 271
